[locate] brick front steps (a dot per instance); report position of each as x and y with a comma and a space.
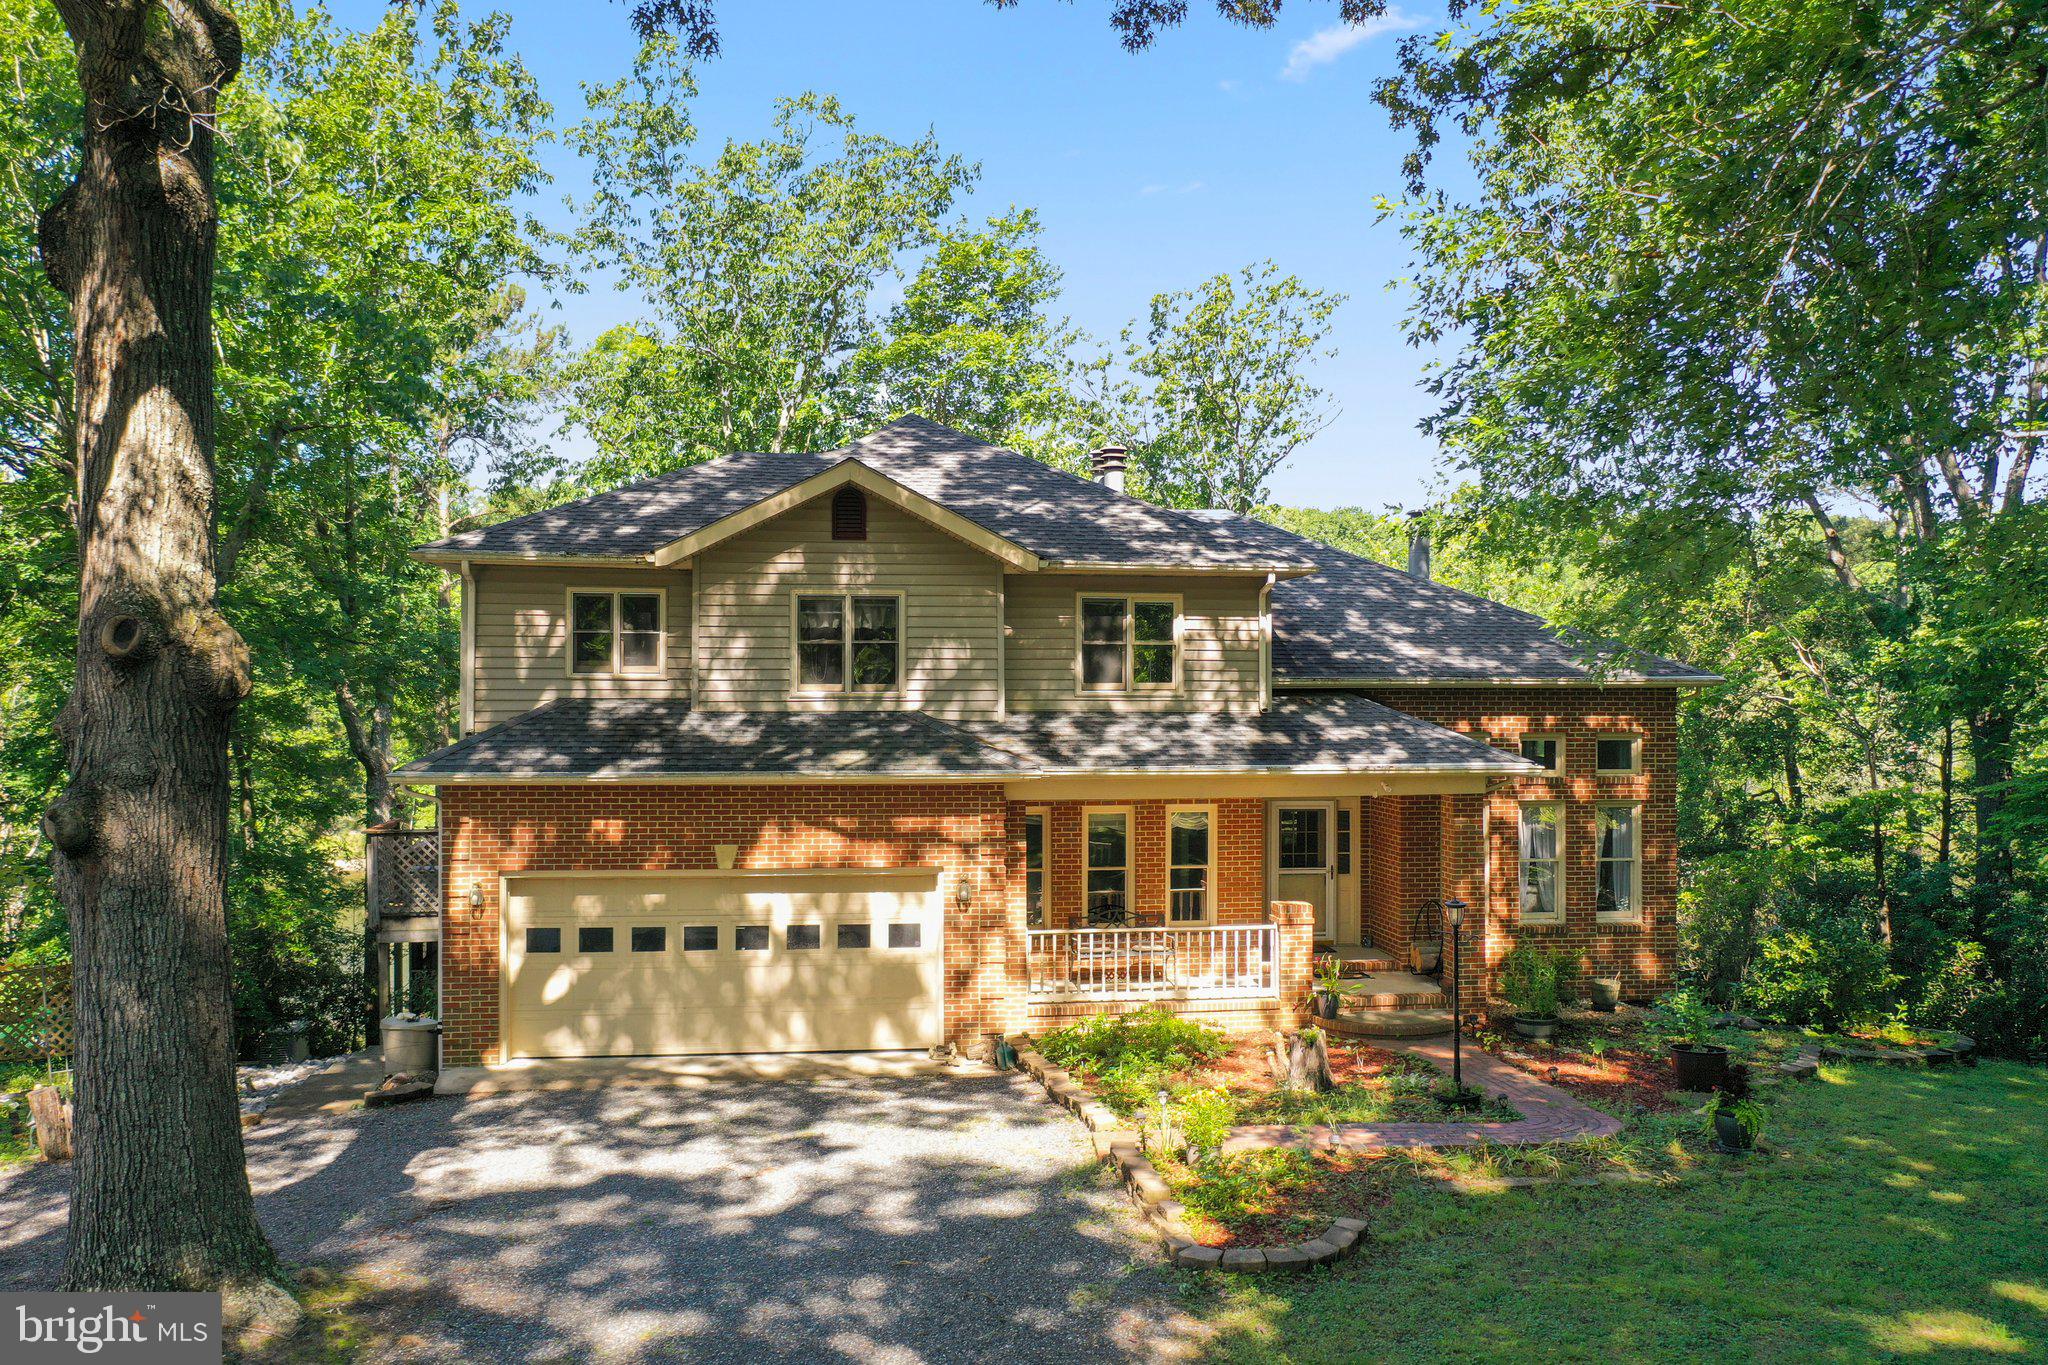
1120, 1146
1390, 1023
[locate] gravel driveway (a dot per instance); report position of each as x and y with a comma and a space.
836, 1216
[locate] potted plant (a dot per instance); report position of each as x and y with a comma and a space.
1328, 996
1735, 1120
1529, 978
1701, 1063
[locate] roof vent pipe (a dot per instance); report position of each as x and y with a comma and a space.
1418, 547
1109, 464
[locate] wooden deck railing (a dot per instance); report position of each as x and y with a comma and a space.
1205, 962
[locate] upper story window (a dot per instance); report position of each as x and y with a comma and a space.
613, 632
849, 514
848, 642
1129, 644
1617, 755
1545, 751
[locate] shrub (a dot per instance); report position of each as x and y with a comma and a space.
2005, 1012
1530, 978
1131, 1057
1828, 979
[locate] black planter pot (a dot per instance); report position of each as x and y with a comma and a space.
1535, 1026
1701, 1066
1730, 1133
1326, 1006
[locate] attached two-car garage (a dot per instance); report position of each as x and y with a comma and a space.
611, 965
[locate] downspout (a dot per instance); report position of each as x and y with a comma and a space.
466, 708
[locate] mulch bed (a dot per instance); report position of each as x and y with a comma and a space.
1244, 1066
1342, 1186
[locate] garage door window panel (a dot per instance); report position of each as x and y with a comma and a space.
906, 936
750, 938
591, 939
650, 938
700, 938
543, 940
804, 936
854, 936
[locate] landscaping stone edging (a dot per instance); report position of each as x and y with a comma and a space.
1120, 1146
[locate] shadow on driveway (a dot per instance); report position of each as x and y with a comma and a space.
840, 1216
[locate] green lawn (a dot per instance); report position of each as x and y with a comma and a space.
1894, 1212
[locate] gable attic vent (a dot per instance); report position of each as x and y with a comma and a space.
849, 514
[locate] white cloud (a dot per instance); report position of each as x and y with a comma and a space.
1191, 187
1226, 86
1326, 45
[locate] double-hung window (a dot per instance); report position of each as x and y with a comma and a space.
1617, 833
615, 632
1108, 848
1542, 861
848, 642
1034, 869
1129, 644
1190, 865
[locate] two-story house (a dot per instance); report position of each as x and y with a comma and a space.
920, 739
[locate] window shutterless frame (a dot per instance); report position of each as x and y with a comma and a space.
1618, 861
1539, 839
631, 638
862, 635
1121, 641
1106, 880
1538, 746
1603, 768
1037, 829
1190, 865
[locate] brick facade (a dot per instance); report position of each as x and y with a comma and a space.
1413, 851
1644, 955
494, 831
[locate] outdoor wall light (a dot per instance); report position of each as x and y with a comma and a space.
476, 895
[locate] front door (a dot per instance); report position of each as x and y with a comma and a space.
1301, 856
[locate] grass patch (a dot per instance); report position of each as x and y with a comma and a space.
1891, 1213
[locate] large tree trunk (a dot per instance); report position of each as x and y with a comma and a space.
1991, 746
162, 1195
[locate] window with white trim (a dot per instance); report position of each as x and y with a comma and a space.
616, 632
1545, 751
1190, 864
848, 642
1129, 644
1617, 755
1542, 861
1034, 869
1106, 840
1618, 844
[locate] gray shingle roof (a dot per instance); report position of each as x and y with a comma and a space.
1331, 732
613, 740
624, 740
1357, 620
1055, 515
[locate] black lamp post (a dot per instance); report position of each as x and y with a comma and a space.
1454, 915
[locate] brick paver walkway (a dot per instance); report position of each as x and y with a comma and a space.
1548, 1113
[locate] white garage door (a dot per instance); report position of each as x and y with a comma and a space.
600, 966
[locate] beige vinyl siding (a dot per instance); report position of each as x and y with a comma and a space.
1219, 642
949, 625
522, 638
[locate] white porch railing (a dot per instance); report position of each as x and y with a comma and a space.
1200, 962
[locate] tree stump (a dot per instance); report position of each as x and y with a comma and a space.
46, 1105
1301, 1061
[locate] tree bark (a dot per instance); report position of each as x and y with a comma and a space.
1991, 746
161, 1200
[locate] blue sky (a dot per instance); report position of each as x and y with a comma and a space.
1217, 148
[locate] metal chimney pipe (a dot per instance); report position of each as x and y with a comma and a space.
1108, 463
1418, 547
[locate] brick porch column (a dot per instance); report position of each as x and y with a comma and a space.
1462, 833
1297, 933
